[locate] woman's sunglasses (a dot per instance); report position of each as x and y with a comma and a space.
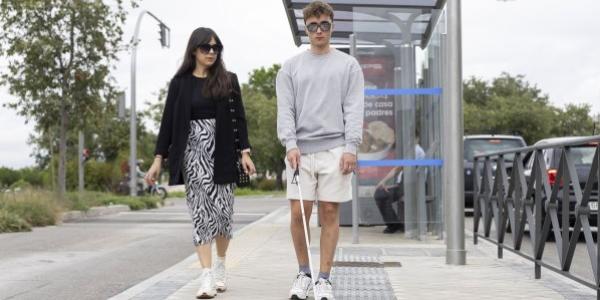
325, 26
205, 48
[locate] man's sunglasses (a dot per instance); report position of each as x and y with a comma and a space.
205, 48
325, 26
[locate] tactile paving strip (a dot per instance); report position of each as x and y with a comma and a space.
358, 274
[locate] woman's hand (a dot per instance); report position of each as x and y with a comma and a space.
154, 171
247, 164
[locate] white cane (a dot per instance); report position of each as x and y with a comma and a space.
305, 227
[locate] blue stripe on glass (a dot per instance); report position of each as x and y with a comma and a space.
397, 92
401, 163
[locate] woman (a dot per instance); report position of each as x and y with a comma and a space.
202, 128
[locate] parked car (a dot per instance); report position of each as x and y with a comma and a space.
482, 144
582, 157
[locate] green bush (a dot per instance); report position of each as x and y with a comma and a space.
255, 192
133, 203
48, 180
36, 207
79, 204
99, 176
33, 176
267, 184
151, 202
10, 222
178, 194
83, 202
72, 180
20, 184
8, 177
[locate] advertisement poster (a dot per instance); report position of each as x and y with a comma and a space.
379, 121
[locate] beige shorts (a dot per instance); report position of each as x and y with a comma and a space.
320, 177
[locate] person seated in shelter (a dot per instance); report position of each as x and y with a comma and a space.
386, 195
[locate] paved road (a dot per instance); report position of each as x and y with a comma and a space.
101, 257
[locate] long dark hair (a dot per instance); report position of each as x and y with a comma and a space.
218, 83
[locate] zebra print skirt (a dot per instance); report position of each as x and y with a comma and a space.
210, 205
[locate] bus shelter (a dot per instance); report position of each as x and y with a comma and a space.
402, 47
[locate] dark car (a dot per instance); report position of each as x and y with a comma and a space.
582, 157
482, 144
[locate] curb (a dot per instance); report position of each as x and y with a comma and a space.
98, 211
93, 212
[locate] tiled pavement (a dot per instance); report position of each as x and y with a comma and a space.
261, 265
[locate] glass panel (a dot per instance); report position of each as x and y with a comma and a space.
399, 181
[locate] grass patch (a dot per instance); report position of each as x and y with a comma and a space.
19, 211
132, 202
256, 192
36, 207
22, 210
177, 194
10, 222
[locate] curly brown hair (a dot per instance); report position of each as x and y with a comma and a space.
316, 9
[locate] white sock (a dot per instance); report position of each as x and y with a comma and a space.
206, 270
220, 259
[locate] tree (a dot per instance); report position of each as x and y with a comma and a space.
476, 92
508, 105
575, 120
261, 114
154, 111
263, 80
59, 57
596, 119
8, 177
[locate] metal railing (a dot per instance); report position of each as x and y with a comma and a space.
504, 195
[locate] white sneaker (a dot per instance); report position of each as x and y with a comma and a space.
301, 287
219, 272
207, 288
324, 290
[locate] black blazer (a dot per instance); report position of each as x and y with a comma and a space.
175, 126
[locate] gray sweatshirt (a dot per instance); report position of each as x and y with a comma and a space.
320, 102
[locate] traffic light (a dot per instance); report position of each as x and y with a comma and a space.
164, 35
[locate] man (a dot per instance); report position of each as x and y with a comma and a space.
385, 195
320, 102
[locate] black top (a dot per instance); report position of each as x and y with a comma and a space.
175, 125
202, 107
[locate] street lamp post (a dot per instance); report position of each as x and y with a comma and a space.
453, 162
165, 42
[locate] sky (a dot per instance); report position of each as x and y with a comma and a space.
553, 43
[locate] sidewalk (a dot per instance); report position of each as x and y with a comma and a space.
261, 265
